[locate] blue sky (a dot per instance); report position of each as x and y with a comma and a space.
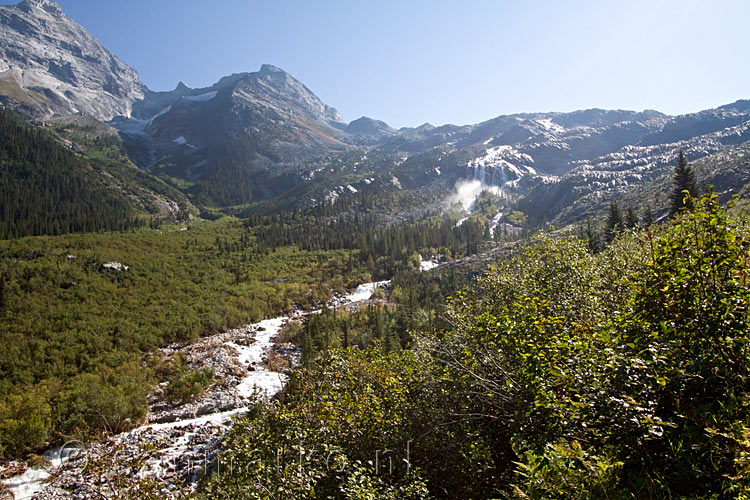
412, 61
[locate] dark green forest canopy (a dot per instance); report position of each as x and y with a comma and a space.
47, 189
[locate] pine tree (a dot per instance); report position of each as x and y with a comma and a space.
647, 218
615, 222
3, 300
684, 180
308, 352
591, 236
631, 218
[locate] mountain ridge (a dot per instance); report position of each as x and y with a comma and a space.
264, 135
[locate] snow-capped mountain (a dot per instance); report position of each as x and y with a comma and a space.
50, 65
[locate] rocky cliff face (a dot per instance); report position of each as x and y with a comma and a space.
565, 166
50, 65
280, 123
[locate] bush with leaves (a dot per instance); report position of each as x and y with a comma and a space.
529, 346
357, 424
185, 385
567, 470
687, 329
640, 353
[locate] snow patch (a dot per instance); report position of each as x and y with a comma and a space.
202, 97
160, 113
551, 126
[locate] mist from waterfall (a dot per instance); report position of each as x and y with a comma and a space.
479, 178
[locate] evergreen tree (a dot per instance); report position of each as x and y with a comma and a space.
631, 218
647, 218
47, 189
592, 237
308, 352
3, 300
684, 180
615, 222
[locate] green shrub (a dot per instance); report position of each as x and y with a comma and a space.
185, 385
25, 421
112, 399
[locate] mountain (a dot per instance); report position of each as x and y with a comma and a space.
268, 104
50, 65
561, 167
589, 181
263, 139
242, 130
366, 129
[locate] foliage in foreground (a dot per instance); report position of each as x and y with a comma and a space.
564, 375
359, 425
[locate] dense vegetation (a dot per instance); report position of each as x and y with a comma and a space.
79, 332
47, 189
560, 374
76, 333
384, 250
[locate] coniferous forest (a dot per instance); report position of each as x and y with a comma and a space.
47, 189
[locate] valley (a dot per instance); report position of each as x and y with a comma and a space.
179, 441
230, 292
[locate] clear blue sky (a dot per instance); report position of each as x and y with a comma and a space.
459, 61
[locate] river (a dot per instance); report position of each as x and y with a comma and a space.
250, 347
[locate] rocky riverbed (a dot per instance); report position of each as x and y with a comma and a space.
178, 442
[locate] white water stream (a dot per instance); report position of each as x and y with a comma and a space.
258, 381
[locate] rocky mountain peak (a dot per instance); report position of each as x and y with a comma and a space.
273, 84
369, 126
269, 69
50, 65
46, 5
